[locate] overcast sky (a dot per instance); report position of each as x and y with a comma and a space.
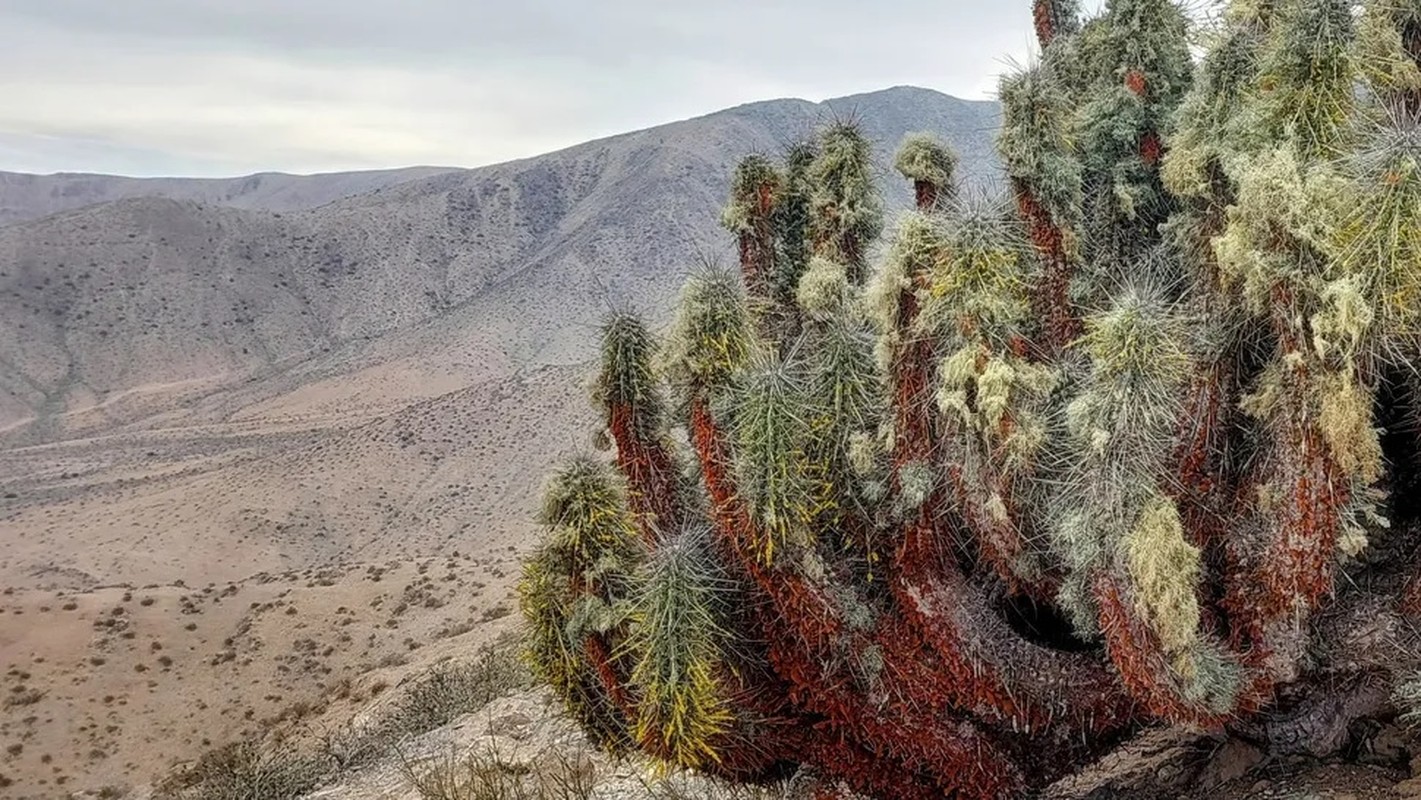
225, 87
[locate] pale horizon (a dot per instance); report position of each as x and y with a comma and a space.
209, 88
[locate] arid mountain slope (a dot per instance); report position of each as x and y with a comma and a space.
194, 391
24, 196
111, 312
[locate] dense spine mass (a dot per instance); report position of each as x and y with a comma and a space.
956, 513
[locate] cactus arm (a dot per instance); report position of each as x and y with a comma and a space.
628, 393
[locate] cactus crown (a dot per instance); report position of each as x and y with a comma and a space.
923, 157
1101, 454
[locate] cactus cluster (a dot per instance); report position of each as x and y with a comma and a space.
953, 513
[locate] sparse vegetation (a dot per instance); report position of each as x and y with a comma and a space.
23, 696
289, 767
455, 688
486, 775
245, 770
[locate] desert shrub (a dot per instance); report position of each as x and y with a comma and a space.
245, 770
454, 688
430, 700
487, 775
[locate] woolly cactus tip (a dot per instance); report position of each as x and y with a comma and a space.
771, 432
1138, 338
918, 245
931, 164
980, 284
570, 590
1379, 242
845, 138
918, 242
627, 377
1383, 55
1388, 152
1311, 71
824, 290
800, 154
752, 194
1036, 141
584, 490
1164, 570
584, 507
1212, 678
712, 337
847, 213
846, 385
1212, 125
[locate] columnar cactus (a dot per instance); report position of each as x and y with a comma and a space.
1130, 448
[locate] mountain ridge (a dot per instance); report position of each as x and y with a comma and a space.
25, 196
235, 290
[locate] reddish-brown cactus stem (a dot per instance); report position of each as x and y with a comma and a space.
843, 247
715, 468
1410, 602
1151, 148
1298, 566
808, 634
1032, 687
955, 756
1135, 83
859, 768
1204, 492
917, 431
1043, 15
1294, 571
757, 245
1248, 628
598, 651
782, 737
650, 473
852, 250
736, 529
978, 666
914, 754
600, 656
922, 688
1000, 542
914, 423
771, 730
1061, 324
1200, 483
1140, 660
1411, 41
1299, 562
926, 193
